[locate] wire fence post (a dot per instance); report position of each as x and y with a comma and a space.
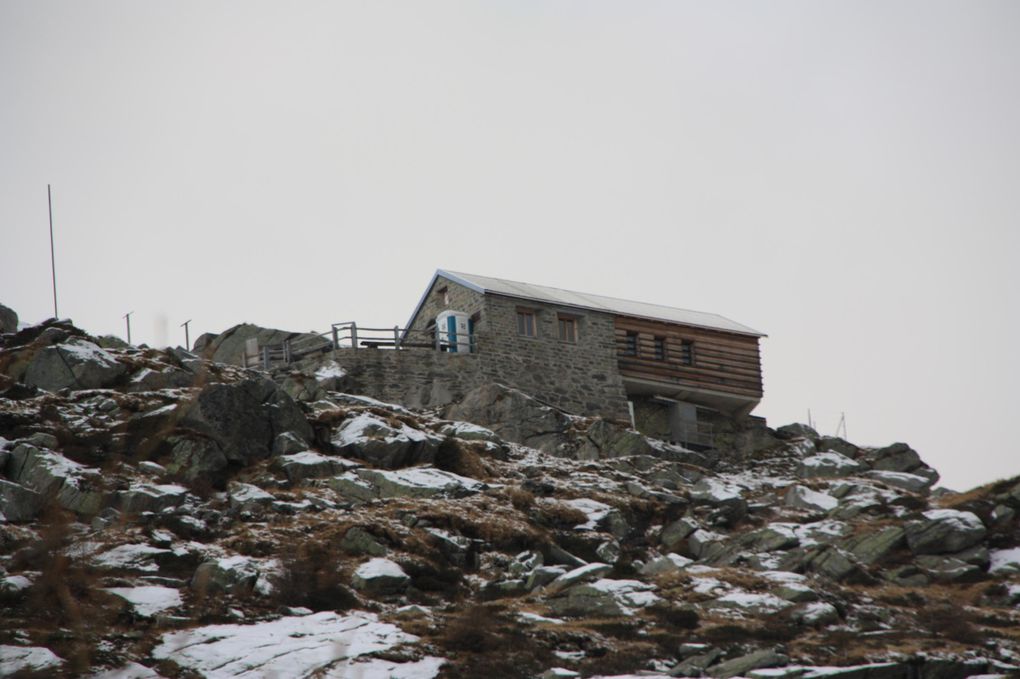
396, 337
354, 335
187, 337
127, 319
336, 338
53, 256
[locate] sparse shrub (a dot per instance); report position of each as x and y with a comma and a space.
454, 456
951, 622
679, 617
312, 577
521, 499
559, 514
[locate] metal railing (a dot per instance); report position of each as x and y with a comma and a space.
349, 335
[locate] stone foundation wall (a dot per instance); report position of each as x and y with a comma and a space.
416, 378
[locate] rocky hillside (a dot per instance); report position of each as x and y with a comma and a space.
164, 515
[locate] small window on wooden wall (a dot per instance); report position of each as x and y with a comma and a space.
630, 344
526, 323
686, 352
660, 348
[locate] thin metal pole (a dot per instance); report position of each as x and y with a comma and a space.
53, 257
187, 338
127, 317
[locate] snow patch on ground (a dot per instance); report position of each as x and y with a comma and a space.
1004, 560
27, 659
148, 600
137, 557
593, 509
321, 645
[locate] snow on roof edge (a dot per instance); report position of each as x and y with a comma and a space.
593, 302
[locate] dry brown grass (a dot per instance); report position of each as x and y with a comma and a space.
558, 514
454, 456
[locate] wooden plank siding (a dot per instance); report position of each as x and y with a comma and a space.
722, 361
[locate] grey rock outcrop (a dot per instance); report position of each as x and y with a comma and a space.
380, 577
944, 531
390, 445
513, 415
245, 417
74, 364
8, 320
75, 487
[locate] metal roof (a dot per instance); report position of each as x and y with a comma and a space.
581, 300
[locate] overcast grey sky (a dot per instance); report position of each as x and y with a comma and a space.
844, 176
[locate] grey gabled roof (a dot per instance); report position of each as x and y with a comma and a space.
582, 300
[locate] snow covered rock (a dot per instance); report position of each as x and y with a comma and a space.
237, 574
827, 465
740, 666
76, 487
944, 531
148, 600
18, 503
391, 446
148, 497
901, 480
420, 482
802, 497
1004, 560
670, 563
325, 645
578, 575
75, 364
311, 465
29, 660
605, 597
378, 577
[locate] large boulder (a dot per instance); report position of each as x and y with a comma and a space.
8, 320
391, 445
18, 503
944, 531
229, 346
829, 464
380, 577
74, 364
514, 416
75, 487
245, 418
605, 597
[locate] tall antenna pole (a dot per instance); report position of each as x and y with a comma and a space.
53, 257
127, 317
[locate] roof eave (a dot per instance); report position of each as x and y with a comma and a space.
750, 332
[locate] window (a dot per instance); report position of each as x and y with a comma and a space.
630, 344
660, 348
444, 294
686, 352
568, 329
525, 323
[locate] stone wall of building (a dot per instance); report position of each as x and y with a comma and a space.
416, 378
580, 377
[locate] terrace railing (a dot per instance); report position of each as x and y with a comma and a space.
349, 335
